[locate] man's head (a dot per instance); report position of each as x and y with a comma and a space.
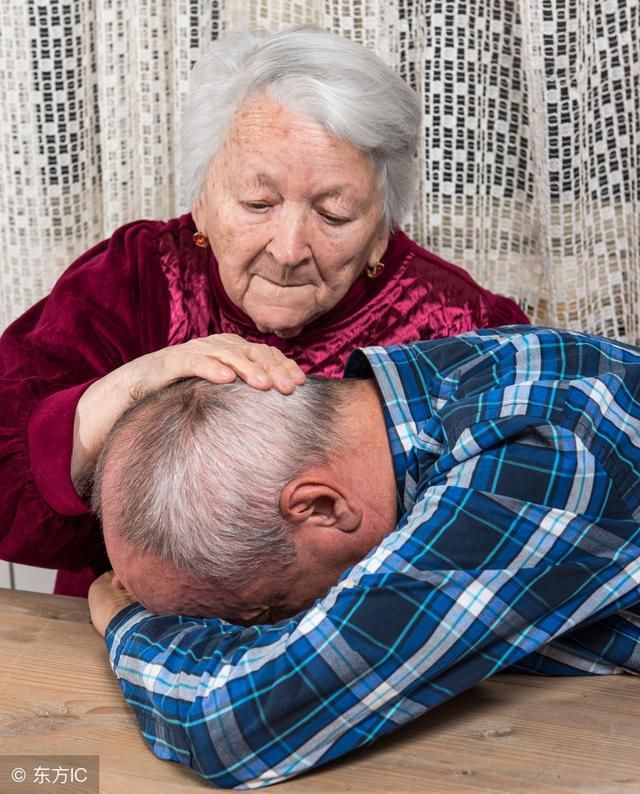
223, 500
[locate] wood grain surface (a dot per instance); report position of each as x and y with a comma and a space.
58, 695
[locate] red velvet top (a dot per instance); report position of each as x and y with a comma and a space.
147, 287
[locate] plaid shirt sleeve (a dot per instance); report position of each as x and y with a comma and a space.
518, 546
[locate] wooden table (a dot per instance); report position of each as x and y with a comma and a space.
512, 734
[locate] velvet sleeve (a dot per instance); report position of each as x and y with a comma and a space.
503, 311
92, 322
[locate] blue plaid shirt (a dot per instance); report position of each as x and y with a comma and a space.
517, 460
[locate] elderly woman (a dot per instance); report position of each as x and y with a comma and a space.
299, 161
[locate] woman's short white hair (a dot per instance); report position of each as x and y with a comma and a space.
338, 83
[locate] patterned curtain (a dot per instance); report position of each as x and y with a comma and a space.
528, 159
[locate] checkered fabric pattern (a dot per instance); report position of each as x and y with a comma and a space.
529, 163
516, 455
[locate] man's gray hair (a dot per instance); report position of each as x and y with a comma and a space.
196, 470
340, 84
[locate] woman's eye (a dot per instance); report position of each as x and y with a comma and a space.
333, 220
256, 206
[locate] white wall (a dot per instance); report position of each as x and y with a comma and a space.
5, 581
26, 577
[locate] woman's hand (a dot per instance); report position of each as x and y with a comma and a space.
219, 358
107, 597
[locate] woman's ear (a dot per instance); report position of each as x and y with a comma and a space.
379, 247
318, 503
196, 212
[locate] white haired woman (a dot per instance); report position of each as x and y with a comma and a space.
299, 164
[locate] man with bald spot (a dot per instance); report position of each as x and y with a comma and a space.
337, 513
358, 552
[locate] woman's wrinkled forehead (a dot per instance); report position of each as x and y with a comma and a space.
269, 144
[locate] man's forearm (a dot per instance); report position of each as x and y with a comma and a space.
259, 705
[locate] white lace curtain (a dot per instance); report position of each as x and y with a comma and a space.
528, 160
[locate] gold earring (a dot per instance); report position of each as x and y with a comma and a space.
200, 240
375, 270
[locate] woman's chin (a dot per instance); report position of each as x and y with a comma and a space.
285, 322
283, 333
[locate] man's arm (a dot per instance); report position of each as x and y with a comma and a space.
610, 646
471, 583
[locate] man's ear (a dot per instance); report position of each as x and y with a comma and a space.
314, 503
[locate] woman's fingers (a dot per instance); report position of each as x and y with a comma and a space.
295, 371
284, 373
219, 358
223, 357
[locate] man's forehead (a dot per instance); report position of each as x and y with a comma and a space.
159, 585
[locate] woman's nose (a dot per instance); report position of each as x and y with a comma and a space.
289, 244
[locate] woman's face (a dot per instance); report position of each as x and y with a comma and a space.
293, 216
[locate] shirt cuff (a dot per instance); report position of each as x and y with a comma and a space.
119, 627
50, 441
